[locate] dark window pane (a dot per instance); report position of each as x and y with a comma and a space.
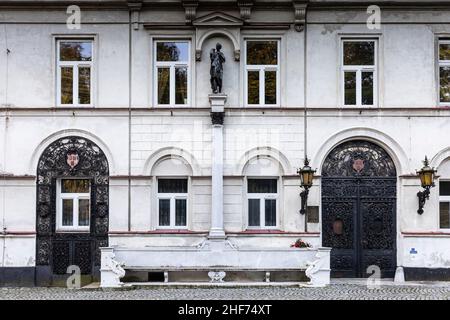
75, 51
180, 212
444, 91
172, 51
262, 52
271, 213
66, 85
253, 87
67, 212
367, 88
163, 85
172, 186
350, 88
270, 86
444, 213
253, 212
83, 212
181, 85
359, 53
75, 186
164, 212
262, 185
84, 85
444, 51
444, 188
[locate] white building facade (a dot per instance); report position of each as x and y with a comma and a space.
108, 136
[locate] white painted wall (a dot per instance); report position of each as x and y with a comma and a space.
406, 71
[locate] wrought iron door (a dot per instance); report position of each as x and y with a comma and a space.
359, 209
71, 157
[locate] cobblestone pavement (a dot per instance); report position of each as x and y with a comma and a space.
335, 291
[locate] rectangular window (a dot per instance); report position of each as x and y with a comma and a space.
444, 204
172, 68
444, 72
262, 203
262, 72
74, 205
359, 69
172, 203
74, 72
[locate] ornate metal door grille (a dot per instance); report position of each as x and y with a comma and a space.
57, 249
358, 209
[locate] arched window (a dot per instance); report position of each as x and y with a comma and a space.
171, 180
263, 181
444, 195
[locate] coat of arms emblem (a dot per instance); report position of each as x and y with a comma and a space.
72, 159
358, 165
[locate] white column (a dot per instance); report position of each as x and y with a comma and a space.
217, 102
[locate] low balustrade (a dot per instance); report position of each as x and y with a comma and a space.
215, 257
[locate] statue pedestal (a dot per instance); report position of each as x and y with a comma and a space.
217, 102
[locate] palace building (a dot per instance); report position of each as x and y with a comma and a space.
111, 137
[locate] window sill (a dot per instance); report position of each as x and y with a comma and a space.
72, 231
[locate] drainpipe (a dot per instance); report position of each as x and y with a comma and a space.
130, 13
134, 6
7, 52
305, 93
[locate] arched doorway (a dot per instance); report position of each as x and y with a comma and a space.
359, 209
71, 209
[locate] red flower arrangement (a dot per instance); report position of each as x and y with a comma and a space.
301, 244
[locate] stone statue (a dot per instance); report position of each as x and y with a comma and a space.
216, 71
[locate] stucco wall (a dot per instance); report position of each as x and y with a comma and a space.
401, 125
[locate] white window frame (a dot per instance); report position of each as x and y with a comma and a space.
359, 69
172, 197
75, 198
441, 63
75, 65
262, 69
262, 207
171, 65
442, 199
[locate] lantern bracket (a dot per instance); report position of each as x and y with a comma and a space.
304, 199
423, 197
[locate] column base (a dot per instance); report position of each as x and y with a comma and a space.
217, 234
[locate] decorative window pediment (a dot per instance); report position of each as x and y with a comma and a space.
218, 19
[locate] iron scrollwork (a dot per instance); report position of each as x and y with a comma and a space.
359, 190
71, 157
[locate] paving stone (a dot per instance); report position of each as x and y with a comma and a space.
333, 292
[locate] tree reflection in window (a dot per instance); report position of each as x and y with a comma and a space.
262, 72
75, 51
172, 51
172, 69
74, 67
359, 67
359, 53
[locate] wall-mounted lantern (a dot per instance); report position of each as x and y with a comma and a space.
426, 175
306, 177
